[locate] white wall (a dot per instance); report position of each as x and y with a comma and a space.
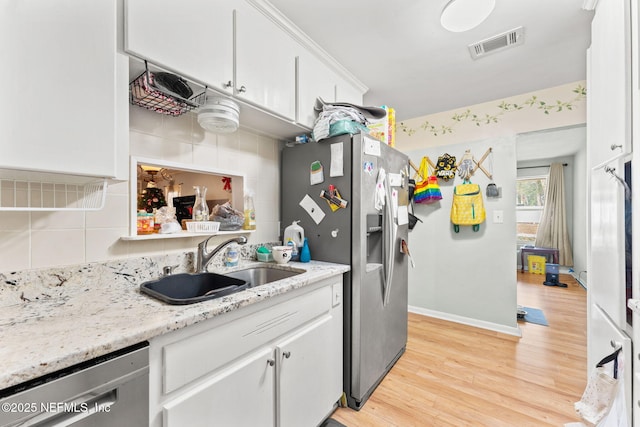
549, 108
468, 277
47, 239
499, 120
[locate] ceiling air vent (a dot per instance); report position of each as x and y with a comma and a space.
496, 43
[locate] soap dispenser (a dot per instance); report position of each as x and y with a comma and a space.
305, 254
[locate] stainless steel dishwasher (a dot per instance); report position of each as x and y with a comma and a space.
112, 390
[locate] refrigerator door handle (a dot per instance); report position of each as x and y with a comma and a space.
389, 244
634, 305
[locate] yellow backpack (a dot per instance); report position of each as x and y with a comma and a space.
467, 207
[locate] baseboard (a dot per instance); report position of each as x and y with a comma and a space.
467, 321
577, 278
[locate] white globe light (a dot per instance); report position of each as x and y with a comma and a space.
463, 15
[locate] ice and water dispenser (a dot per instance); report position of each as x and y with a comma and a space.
374, 239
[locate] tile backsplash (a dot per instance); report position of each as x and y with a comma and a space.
47, 239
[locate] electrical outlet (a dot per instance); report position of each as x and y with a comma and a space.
498, 217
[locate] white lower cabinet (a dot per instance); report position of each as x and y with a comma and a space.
275, 363
306, 379
221, 400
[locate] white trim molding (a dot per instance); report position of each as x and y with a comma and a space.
467, 321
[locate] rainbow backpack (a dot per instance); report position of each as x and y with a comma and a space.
427, 190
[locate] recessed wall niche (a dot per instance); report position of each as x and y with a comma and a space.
176, 179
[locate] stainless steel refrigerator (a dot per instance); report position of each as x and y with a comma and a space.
365, 235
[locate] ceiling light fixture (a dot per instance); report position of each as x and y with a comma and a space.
219, 115
463, 15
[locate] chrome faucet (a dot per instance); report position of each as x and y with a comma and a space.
203, 257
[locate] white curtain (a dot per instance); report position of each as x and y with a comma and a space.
552, 230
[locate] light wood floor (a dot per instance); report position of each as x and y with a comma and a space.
457, 375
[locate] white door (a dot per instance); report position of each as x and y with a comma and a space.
606, 281
609, 82
240, 396
191, 37
604, 338
315, 354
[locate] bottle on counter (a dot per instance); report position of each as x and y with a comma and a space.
305, 254
294, 234
200, 210
249, 213
295, 255
232, 255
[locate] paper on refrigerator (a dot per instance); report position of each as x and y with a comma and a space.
313, 209
337, 159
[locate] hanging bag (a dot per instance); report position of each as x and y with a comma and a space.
467, 207
427, 189
601, 393
446, 167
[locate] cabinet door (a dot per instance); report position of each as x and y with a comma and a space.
192, 37
606, 264
609, 82
315, 79
346, 92
604, 337
315, 354
240, 395
58, 110
265, 62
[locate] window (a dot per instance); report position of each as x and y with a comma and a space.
530, 192
530, 195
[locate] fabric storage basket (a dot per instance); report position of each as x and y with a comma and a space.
203, 226
537, 264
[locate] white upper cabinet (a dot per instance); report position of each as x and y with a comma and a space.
347, 92
194, 38
64, 102
243, 48
265, 62
315, 79
609, 82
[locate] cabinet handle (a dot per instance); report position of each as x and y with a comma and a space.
271, 362
228, 84
286, 354
242, 89
614, 146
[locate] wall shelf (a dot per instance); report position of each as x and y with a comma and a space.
42, 191
184, 234
187, 175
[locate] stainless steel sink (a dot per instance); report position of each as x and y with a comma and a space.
257, 276
191, 288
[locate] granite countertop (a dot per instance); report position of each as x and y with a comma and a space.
53, 319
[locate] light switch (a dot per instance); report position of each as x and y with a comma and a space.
498, 217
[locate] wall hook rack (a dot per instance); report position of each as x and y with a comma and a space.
417, 169
477, 163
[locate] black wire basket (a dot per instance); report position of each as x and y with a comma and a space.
143, 92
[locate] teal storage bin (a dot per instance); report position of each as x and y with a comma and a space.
342, 127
